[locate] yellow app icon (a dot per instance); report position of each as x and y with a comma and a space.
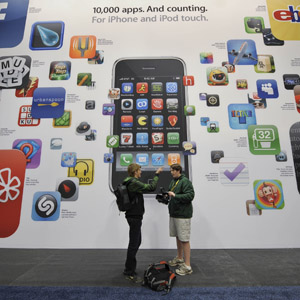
142, 120
284, 18
84, 170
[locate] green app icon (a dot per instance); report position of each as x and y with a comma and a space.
263, 140
189, 110
112, 141
173, 138
126, 159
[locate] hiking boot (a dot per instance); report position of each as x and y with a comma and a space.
176, 261
184, 270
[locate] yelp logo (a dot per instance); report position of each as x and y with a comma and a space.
9, 186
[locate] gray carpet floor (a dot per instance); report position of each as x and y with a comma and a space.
212, 268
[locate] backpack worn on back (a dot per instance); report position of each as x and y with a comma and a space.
123, 200
159, 277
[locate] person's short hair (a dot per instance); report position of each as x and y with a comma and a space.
132, 168
177, 167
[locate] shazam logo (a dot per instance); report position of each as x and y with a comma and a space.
46, 206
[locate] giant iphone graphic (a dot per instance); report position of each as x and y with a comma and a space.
152, 97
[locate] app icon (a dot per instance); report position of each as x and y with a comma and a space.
212, 100
267, 88
190, 148
28, 90
157, 121
141, 104
48, 102
173, 158
270, 39
68, 188
60, 70
254, 24
25, 117
126, 121
173, 138
268, 194
83, 46
142, 120
204, 120
156, 87
83, 170
84, 79
126, 159
206, 58
157, 104
108, 158
64, 121
284, 19
213, 127
230, 67
46, 35
216, 155
217, 76
291, 80
126, 104
13, 15
68, 159
127, 138
265, 64
202, 96
242, 84
172, 119
252, 209
157, 138
46, 206
142, 138
171, 87
112, 141
242, 52
263, 140
14, 71
172, 103
142, 159
281, 157
297, 97
257, 102
142, 87
32, 151
56, 143
98, 59
188, 80
241, 115
90, 104
189, 110
12, 175
158, 159
114, 93
127, 88
108, 109
233, 171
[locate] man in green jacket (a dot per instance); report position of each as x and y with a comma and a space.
181, 194
134, 215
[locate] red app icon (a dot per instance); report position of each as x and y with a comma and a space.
157, 104
126, 121
12, 174
157, 138
172, 120
142, 87
188, 80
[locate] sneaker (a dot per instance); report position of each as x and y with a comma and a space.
184, 270
134, 278
176, 261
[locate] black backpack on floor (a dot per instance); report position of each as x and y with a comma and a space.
123, 200
159, 277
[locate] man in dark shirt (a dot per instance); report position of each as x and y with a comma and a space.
134, 215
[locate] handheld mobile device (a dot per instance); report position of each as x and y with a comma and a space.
149, 118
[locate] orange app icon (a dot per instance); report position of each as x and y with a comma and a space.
173, 158
83, 46
284, 19
142, 87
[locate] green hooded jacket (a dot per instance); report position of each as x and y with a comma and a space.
181, 206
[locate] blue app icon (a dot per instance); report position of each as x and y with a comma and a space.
142, 138
46, 206
108, 158
171, 87
142, 159
241, 115
157, 121
204, 120
267, 88
13, 15
158, 159
141, 104
68, 159
48, 102
127, 87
